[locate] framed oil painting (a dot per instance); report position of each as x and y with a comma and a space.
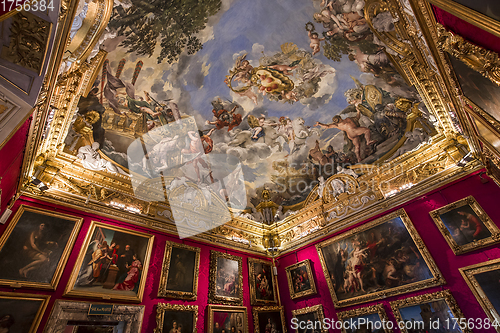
309, 320
483, 279
35, 247
176, 318
112, 264
300, 279
432, 313
367, 319
179, 276
260, 276
381, 258
226, 279
21, 312
269, 319
227, 319
465, 225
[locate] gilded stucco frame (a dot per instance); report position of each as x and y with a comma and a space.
436, 280
253, 287
307, 264
212, 289
161, 308
222, 308
257, 310
471, 246
468, 275
427, 298
52, 285
167, 260
367, 310
30, 297
318, 309
70, 288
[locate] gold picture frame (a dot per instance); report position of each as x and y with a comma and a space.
183, 253
396, 224
443, 295
317, 313
487, 269
237, 317
180, 314
82, 285
445, 216
8, 301
365, 311
263, 292
309, 287
220, 289
260, 314
17, 244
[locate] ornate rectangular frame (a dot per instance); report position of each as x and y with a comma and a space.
251, 282
32, 297
212, 288
288, 270
167, 260
70, 291
460, 249
425, 298
162, 307
367, 310
212, 308
436, 280
64, 257
315, 308
257, 310
468, 275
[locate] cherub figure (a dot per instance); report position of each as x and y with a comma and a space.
315, 41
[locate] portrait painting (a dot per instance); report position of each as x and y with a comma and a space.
227, 319
367, 319
484, 281
35, 247
383, 257
261, 281
465, 225
21, 312
112, 264
300, 279
179, 276
176, 318
433, 313
226, 279
310, 319
269, 319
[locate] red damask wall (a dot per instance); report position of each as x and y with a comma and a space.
418, 210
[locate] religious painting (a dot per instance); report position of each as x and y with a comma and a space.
484, 281
227, 319
112, 264
300, 279
381, 258
176, 318
261, 281
269, 319
35, 247
465, 225
309, 320
21, 312
179, 276
226, 279
432, 313
367, 319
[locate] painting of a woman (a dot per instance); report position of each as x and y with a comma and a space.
37, 250
133, 274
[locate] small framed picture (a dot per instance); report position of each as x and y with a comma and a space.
269, 319
179, 276
309, 319
227, 319
226, 279
436, 312
21, 312
367, 319
174, 318
300, 279
261, 282
465, 226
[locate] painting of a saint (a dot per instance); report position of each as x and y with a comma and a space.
226, 280
300, 279
261, 281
